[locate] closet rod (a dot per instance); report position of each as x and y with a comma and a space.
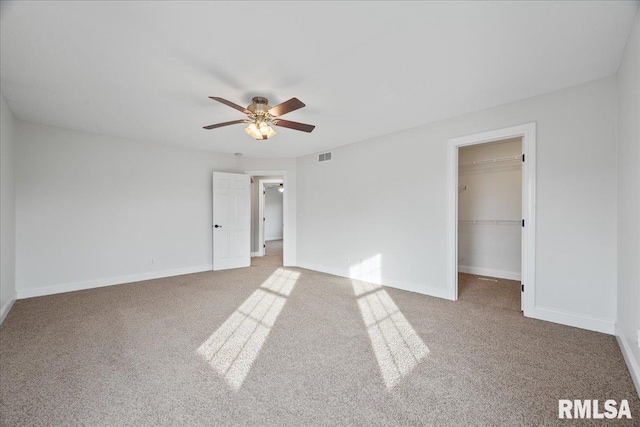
491, 221
496, 160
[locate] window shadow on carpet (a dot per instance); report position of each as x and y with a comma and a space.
232, 349
396, 345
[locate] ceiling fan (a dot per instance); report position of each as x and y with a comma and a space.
261, 115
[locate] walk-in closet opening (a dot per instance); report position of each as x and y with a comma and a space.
490, 223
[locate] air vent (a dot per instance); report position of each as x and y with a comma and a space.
324, 157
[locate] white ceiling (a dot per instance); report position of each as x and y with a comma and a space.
143, 70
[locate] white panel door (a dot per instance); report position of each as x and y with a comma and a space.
231, 221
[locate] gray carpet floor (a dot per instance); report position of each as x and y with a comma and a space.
491, 291
267, 345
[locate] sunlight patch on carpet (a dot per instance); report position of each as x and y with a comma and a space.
396, 345
232, 349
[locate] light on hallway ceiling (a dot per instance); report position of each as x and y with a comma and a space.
281, 189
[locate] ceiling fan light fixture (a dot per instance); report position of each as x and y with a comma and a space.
266, 131
252, 131
259, 130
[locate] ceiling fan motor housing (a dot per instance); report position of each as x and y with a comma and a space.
260, 106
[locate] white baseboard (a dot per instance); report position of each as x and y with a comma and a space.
501, 274
627, 353
98, 283
392, 283
7, 307
268, 239
254, 254
596, 324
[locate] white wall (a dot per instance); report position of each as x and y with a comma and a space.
93, 210
272, 214
629, 202
493, 192
289, 167
7, 213
386, 197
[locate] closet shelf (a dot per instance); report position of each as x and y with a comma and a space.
490, 221
491, 161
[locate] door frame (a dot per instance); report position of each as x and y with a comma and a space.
286, 241
261, 196
528, 134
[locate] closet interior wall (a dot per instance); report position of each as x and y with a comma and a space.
490, 209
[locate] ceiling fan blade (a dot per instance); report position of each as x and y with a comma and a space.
230, 104
234, 122
286, 107
293, 125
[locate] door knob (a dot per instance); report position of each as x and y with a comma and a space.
217, 226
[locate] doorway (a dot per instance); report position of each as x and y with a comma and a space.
268, 219
459, 254
271, 210
489, 223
